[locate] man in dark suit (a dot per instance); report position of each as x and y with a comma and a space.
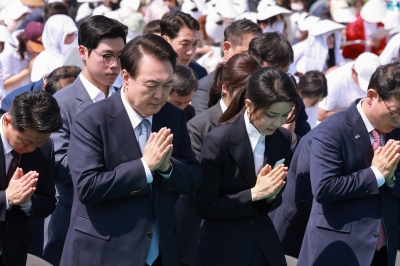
237, 37
124, 176
354, 180
101, 67
182, 31
279, 53
27, 164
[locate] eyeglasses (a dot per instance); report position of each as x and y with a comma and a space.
393, 115
108, 58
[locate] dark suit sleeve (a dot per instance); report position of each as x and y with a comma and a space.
200, 97
61, 142
196, 137
209, 202
326, 171
186, 176
44, 200
302, 126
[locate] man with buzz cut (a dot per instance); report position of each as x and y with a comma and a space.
101, 41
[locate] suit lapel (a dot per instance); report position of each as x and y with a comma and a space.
3, 179
216, 114
239, 146
82, 97
359, 134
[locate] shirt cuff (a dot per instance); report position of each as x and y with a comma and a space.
26, 207
380, 179
149, 176
166, 176
7, 206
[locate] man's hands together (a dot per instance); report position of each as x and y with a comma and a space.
21, 187
158, 150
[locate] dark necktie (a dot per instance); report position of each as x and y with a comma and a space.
13, 165
382, 234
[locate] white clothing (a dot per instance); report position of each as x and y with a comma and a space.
316, 52
55, 30
312, 114
391, 50
12, 64
342, 90
257, 142
94, 93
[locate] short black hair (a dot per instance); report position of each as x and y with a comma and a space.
313, 84
386, 81
37, 110
53, 83
236, 30
172, 22
272, 48
54, 9
185, 81
96, 28
152, 27
149, 44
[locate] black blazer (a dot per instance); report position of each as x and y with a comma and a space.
233, 224
113, 211
13, 222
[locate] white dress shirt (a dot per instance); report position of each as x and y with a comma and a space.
136, 119
257, 142
94, 93
379, 177
223, 106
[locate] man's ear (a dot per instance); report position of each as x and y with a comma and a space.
82, 52
371, 96
165, 37
227, 48
125, 77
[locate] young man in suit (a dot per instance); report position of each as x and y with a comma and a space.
354, 179
128, 155
27, 180
101, 41
237, 37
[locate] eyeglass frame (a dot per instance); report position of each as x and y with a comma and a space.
393, 115
114, 58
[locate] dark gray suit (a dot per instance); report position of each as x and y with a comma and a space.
188, 223
200, 97
72, 99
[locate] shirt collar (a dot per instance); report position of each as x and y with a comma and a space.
6, 146
134, 117
252, 132
367, 123
94, 93
223, 106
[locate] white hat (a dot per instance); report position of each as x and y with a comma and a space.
190, 7
133, 4
214, 30
306, 21
365, 65
225, 8
83, 11
324, 26
87, 1
248, 15
101, 10
373, 11
14, 11
270, 11
240, 6
264, 3
5, 35
344, 15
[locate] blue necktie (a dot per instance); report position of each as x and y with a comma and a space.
154, 245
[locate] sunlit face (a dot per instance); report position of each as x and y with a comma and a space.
149, 90
95, 70
379, 112
69, 38
23, 142
180, 101
269, 120
185, 44
330, 41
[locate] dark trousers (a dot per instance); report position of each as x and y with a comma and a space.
380, 257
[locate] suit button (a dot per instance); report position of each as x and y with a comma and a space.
367, 192
252, 222
171, 189
149, 234
375, 234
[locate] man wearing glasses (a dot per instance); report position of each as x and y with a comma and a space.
101, 41
354, 178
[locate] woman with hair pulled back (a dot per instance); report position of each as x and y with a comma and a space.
243, 174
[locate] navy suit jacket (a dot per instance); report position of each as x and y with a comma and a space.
114, 211
348, 206
13, 222
34, 86
233, 224
291, 217
198, 69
